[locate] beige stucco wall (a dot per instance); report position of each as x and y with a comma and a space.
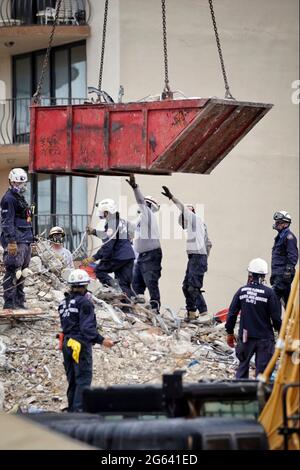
260, 44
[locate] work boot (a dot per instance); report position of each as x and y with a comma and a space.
20, 307
8, 306
139, 299
114, 283
191, 315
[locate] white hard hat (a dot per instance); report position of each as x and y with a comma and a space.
17, 175
56, 230
258, 266
108, 205
152, 201
57, 235
283, 216
78, 277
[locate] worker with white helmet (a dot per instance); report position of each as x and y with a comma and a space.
16, 238
260, 314
79, 326
284, 256
57, 237
198, 247
116, 254
147, 269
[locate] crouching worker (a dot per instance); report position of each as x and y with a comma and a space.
116, 254
78, 321
260, 314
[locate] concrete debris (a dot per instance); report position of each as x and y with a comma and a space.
31, 365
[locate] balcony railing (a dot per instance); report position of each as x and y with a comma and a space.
42, 12
74, 226
15, 117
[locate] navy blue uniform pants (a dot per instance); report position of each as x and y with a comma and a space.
281, 287
123, 270
13, 289
193, 282
263, 350
146, 274
78, 375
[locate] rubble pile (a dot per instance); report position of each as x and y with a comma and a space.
31, 369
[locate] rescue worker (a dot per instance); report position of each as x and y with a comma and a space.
198, 247
116, 254
57, 238
147, 269
16, 238
78, 322
284, 256
260, 313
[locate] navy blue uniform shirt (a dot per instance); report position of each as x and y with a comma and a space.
16, 225
258, 305
78, 319
284, 252
116, 242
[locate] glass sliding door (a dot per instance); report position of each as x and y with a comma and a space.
22, 11
79, 208
43, 200
45, 92
63, 205
78, 71
22, 94
61, 76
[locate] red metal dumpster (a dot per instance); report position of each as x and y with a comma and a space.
160, 137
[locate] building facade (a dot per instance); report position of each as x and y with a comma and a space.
238, 199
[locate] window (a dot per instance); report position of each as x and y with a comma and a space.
65, 78
59, 200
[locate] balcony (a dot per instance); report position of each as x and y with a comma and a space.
25, 25
15, 125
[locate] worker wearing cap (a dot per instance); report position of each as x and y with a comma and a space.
284, 256
57, 237
198, 247
260, 314
116, 254
78, 322
147, 270
16, 238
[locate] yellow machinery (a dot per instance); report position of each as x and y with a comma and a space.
280, 416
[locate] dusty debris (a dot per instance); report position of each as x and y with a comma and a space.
31, 367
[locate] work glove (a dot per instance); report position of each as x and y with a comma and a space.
12, 249
231, 340
132, 182
87, 261
167, 192
34, 249
288, 273
90, 230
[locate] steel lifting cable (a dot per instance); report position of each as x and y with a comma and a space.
167, 93
228, 94
103, 45
36, 96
